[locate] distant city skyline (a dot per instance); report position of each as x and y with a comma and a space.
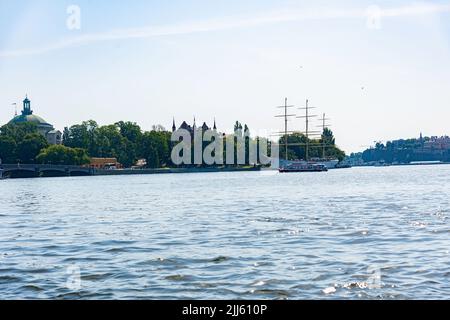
380, 70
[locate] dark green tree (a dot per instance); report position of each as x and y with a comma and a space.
155, 148
153, 158
62, 155
328, 137
30, 147
130, 131
297, 146
82, 136
111, 143
8, 149
18, 131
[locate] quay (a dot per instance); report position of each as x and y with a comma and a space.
43, 170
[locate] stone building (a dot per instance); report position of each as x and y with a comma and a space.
192, 128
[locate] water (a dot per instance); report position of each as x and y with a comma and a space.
362, 233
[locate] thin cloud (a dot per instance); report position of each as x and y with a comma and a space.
415, 9
225, 24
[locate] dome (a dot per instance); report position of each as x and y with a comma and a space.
27, 116
31, 119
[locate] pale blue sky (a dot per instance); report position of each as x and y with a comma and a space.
147, 61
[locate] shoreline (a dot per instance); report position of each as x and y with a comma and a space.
402, 165
42, 171
123, 172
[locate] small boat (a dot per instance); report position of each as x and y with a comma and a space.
303, 167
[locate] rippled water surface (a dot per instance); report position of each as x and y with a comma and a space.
362, 233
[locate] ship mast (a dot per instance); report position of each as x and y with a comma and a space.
286, 117
324, 126
307, 132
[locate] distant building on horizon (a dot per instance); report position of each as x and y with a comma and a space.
44, 128
434, 148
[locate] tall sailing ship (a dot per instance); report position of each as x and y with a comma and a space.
308, 164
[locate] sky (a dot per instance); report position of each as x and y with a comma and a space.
380, 70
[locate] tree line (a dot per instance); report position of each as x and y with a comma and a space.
127, 142
22, 143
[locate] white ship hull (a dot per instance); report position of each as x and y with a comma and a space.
328, 163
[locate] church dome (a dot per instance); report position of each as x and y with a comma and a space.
27, 116
31, 118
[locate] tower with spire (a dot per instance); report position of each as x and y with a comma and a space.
174, 127
27, 107
43, 127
